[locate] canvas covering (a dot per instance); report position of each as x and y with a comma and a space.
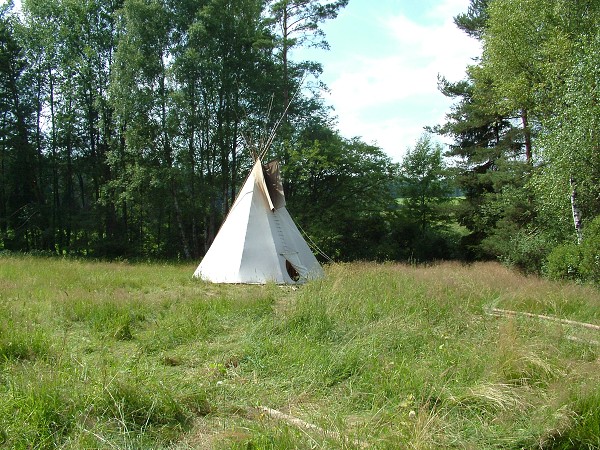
258, 241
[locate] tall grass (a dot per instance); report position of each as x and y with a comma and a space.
117, 355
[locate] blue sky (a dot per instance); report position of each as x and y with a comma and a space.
383, 64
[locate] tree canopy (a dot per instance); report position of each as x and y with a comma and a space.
127, 127
530, 104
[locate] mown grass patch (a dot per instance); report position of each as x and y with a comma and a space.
101, 355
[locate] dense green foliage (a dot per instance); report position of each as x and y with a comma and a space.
127, 127
424, 219
577, 261
525, 132
118, 355
340, 189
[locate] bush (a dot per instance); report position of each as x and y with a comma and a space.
564, 262
523, 249
590, 252
577, 262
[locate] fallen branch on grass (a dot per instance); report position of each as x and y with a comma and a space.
273, 413
506, 312
582, 341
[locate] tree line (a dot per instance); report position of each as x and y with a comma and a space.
525, 135
128, 125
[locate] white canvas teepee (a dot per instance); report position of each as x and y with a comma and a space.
259, 242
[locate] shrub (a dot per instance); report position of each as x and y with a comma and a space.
564, 262
577, 262
524, 249
590, 252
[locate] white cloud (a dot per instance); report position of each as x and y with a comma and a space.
441, 46
402, 79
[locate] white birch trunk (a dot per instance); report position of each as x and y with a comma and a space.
576, 211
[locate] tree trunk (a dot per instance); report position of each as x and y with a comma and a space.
56, 225
576, 211
284, 52
3, 176
178, 217
527, 135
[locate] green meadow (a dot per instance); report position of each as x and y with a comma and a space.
135, 356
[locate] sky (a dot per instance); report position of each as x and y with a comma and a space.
383, 64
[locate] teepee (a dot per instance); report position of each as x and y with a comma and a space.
259, 242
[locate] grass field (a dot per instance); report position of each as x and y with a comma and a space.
117, 355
